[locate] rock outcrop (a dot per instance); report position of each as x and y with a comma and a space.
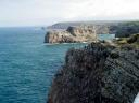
97, 73
71, 35
134, 38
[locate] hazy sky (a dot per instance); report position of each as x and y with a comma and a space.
46, 12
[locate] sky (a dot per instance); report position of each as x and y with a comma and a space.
48, 12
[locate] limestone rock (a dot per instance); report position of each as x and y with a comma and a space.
71, 35
93, 75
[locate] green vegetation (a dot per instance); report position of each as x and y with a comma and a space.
121, 41
133, 40
124, 30
114, 55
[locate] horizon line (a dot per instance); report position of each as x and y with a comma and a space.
70, 21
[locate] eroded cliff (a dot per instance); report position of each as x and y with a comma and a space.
71, 35
97, 73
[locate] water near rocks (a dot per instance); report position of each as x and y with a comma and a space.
27, 65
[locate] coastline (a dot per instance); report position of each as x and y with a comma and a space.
95, 72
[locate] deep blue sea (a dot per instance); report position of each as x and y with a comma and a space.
27, 65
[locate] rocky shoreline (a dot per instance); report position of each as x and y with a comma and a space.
97, 73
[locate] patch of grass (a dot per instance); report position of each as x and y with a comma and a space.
133, 40
121, 41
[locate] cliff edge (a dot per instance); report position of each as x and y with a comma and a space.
97, 73
71, 35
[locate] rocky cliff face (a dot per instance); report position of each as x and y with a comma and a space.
97, 73
71, 35
122, 29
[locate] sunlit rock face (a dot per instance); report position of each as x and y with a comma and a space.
97, 73
71, 35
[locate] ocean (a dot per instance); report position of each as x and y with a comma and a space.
27, 65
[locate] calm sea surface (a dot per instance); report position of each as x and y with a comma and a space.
27, 65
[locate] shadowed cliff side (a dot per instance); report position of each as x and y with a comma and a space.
97, 73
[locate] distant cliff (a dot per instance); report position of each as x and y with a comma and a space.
65, 25
97, 73
122, 29
71, 35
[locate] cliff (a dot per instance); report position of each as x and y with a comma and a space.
71, 35
122, 29
97, 73
65, 25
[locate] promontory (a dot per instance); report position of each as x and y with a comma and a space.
98, 73
71, 35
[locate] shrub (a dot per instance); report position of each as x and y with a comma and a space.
133, 38
114, 55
